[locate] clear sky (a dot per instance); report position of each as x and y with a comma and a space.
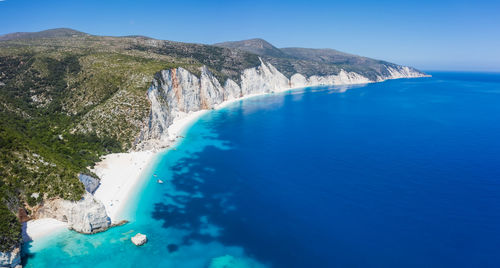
430, 35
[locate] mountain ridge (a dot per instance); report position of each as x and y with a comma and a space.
50, 33
311, 61
257, 46
288, 60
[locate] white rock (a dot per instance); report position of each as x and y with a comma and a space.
298, 80
231, 90
11, 258
87, 215
139, 239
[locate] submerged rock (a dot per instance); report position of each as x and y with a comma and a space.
11, 258
139, 239
172, 248
228, 261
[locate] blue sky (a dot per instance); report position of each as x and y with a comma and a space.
431, 35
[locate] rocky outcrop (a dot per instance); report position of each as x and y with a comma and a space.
139, 239
174, 93
87, 215
11, 258
91, 184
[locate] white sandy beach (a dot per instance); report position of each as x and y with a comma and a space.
120, 174
35, 229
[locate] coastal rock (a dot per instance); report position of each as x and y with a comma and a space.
176, 92
343, 78
11, 258
231, 90
298, 80
139, 239
87, 215
263, 79
91, 184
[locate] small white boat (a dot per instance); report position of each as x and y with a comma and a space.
159, 181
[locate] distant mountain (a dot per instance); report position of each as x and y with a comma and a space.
256, 46
309, 61
263, 48
52, 33
326, 55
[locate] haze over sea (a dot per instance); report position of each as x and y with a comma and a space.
403, 173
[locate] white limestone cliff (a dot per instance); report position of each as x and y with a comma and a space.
176, 92
87, 215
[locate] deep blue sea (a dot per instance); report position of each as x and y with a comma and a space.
404, 173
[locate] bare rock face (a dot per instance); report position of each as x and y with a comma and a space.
91, 184
139, 239
11, 258
87, 215
175, 93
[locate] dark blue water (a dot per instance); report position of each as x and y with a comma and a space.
404, 173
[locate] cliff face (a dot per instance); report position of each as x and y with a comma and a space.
174, 93
85, 216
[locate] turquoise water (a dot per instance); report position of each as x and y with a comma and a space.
403, 173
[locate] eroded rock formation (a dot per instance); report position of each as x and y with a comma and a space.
87, 215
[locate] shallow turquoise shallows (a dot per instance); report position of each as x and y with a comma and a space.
404, 173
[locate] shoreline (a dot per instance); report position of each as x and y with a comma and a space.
39, 228
121, 173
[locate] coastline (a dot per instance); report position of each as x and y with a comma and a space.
121, 173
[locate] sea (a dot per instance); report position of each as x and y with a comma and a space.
403, 173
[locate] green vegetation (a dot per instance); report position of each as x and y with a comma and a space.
10, 229
308, 62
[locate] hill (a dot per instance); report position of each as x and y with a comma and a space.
256, 46
310, 61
